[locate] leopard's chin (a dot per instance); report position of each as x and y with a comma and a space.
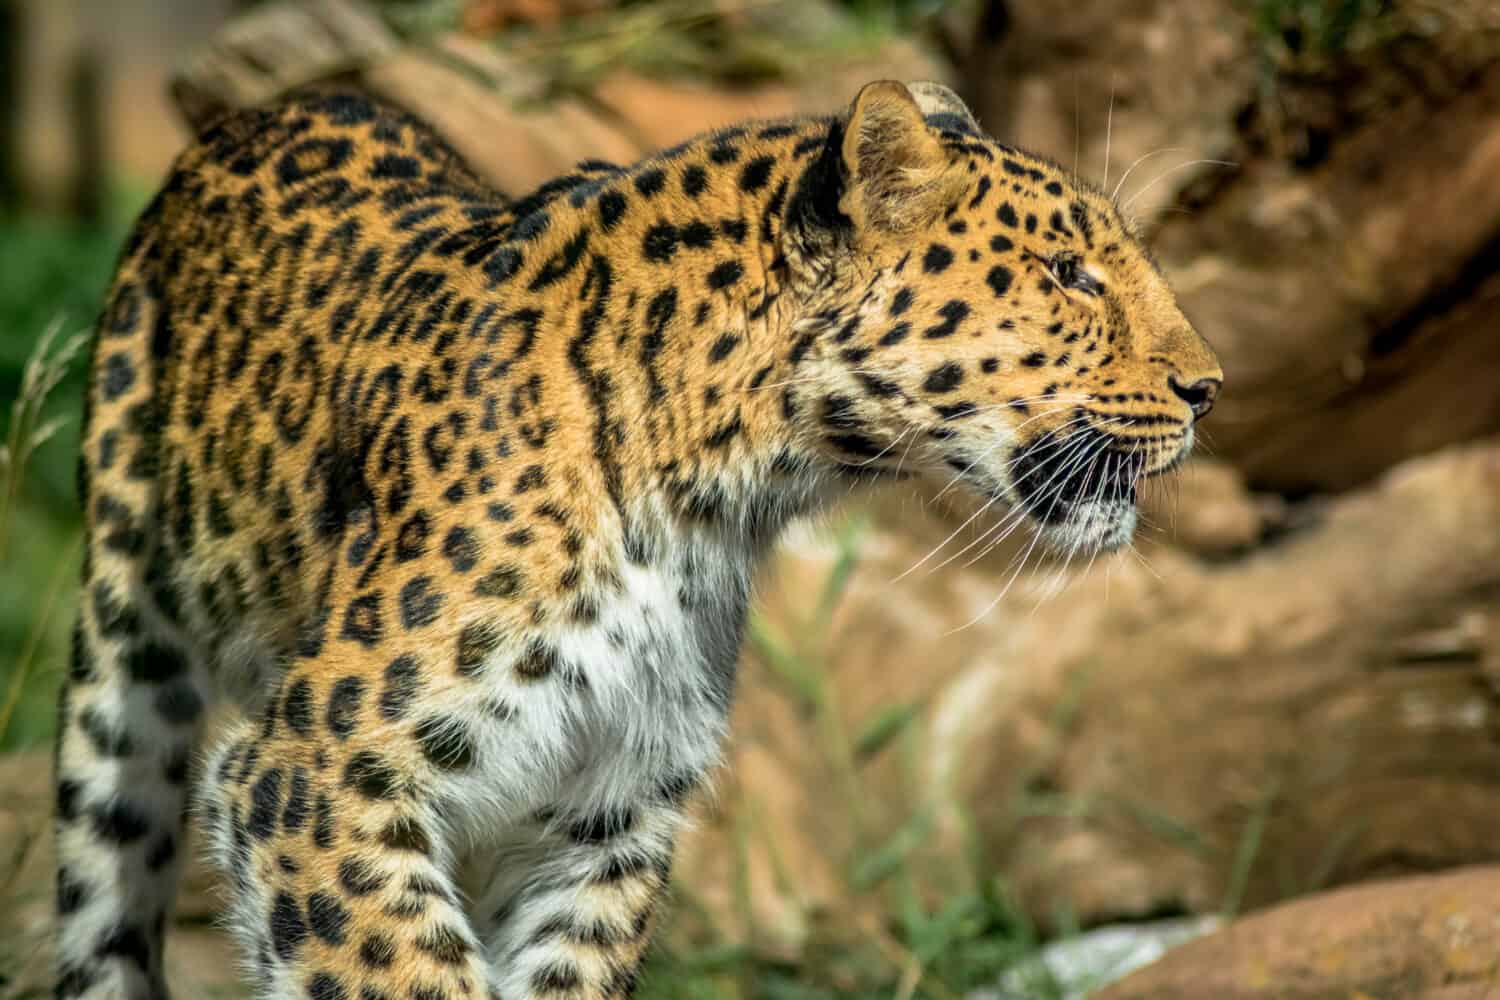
1082, 507
1088, 528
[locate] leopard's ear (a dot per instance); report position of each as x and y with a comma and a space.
943, 108
899, 175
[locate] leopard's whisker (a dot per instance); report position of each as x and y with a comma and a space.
958, 476
1017, 513
1115, 194
1169, 172
1109, 131
991, 501
1025, 557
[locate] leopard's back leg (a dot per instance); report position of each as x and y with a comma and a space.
132, 701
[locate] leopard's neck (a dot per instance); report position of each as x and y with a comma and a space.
664, 293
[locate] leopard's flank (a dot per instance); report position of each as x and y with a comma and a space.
446, 507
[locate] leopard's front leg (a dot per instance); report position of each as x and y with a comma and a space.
574, 912
572, 893
330, 828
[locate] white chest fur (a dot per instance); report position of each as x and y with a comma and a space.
659, 668
638, 698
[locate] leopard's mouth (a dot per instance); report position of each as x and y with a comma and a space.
1080, 488
1055, 476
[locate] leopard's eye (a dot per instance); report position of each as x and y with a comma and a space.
1070, 273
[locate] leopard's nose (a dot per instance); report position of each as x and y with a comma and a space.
1199, 395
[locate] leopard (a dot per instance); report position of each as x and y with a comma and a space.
422, 521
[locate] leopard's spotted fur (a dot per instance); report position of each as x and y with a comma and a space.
458, 500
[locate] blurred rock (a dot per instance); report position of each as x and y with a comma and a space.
1424, 938
518, 144
664, 112
511, 144
1208, 510
1351, 303
1114, 84
278, 47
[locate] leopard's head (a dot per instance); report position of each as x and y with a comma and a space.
980, 315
